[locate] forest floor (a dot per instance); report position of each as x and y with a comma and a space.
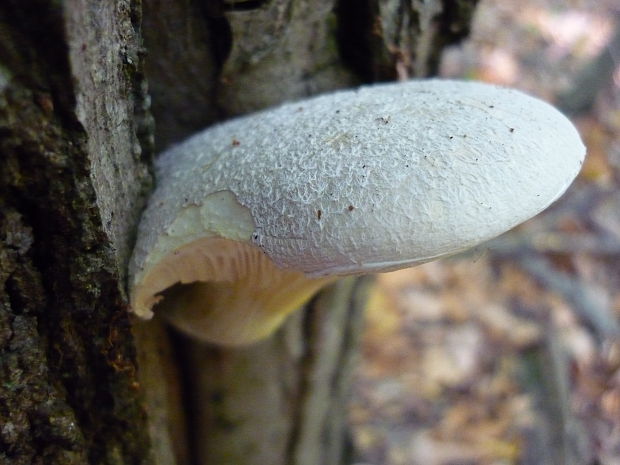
510, 354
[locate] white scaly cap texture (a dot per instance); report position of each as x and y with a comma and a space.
374, 179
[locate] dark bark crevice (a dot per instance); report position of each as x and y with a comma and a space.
383, 40
186, 41
453, 25
359, 40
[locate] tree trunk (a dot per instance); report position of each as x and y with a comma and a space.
76, 145
73, 178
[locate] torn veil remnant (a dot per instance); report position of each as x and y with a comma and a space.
251, 217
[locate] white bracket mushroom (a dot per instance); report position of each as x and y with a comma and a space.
251, 217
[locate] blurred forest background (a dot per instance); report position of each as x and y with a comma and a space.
511, 354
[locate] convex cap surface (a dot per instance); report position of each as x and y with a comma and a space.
373, 179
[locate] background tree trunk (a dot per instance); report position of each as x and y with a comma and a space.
76, 145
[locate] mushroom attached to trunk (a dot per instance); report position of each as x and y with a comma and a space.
251, 217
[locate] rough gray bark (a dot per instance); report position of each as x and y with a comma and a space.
75, 138
74, 171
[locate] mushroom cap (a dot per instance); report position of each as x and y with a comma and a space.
374, 179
